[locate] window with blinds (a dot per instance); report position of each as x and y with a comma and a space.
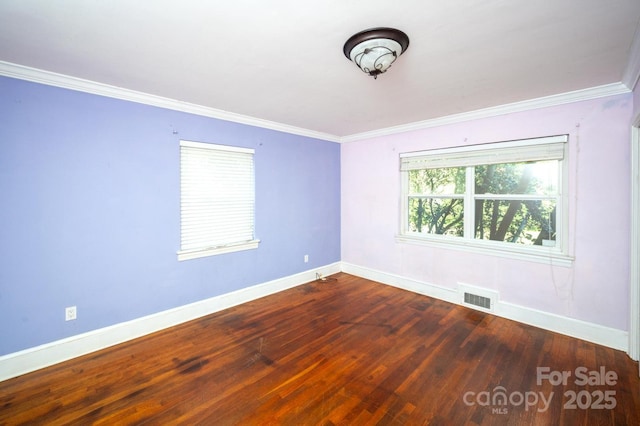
217, 199
501, 196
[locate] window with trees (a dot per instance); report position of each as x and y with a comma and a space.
502, 196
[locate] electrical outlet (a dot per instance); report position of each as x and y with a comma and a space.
306, 258
70, 313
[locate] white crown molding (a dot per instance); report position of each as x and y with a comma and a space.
606, 336
21, 72
32, 359
632, 71
544, 102
73, 83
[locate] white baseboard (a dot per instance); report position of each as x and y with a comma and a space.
591, 332
28, 360
32, 359
606, 336
442, 293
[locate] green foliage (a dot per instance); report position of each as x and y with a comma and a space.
437, 215
526, 222
437, 196
437, 181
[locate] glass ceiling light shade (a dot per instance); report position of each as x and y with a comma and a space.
374, 50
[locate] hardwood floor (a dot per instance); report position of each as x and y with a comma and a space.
350, 352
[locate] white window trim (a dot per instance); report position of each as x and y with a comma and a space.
558, 256
211, 251
196, 253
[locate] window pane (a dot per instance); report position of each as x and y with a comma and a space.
437, 181
436, 215
216, 196
538, 177
528, 222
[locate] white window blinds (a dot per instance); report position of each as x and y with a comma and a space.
216, 197
539, 149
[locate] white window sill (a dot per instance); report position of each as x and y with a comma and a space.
212, 251
546, 255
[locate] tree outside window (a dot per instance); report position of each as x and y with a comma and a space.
506, 192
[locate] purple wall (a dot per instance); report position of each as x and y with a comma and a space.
594, 289
90, 211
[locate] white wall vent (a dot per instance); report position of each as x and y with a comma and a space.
477, 297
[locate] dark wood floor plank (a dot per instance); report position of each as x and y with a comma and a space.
344, 352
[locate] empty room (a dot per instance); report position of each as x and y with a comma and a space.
338, 213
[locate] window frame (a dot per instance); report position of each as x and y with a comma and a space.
471, 156
213, 247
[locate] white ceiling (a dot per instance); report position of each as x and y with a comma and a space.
282, 60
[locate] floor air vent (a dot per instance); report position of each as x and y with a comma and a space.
477, 297
474, 299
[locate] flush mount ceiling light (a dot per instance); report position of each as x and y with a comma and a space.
374, 50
